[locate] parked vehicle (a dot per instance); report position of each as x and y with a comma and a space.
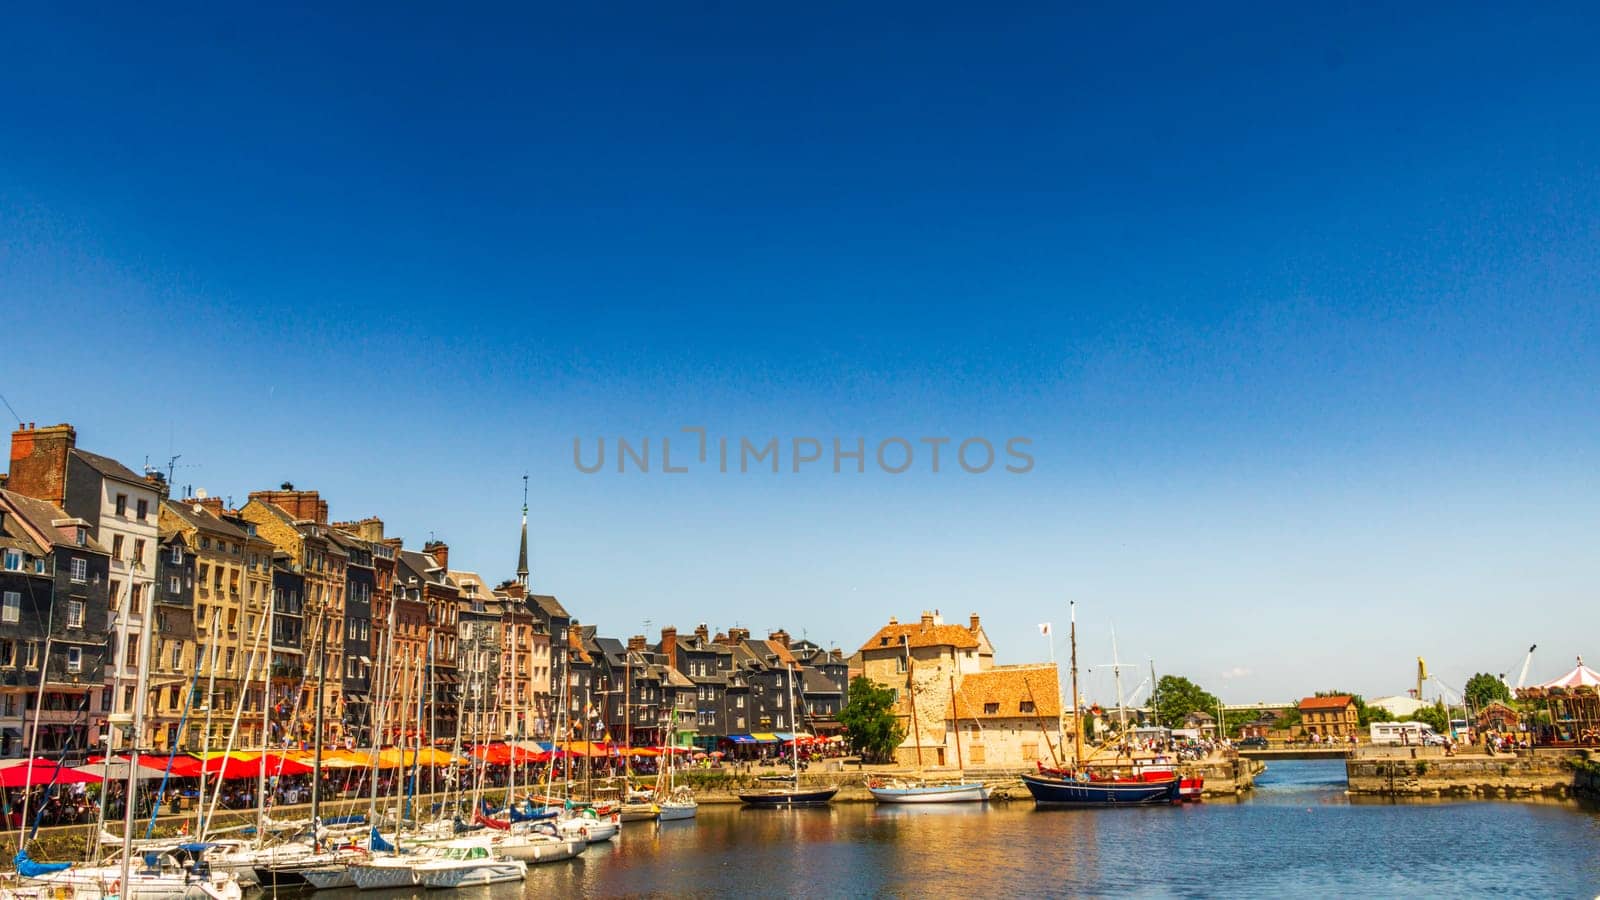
1253, 743
1418, 734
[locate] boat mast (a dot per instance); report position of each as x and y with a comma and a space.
316, 737
796, 742
385, 661
205, 740
266, 719
956, 719
911, 695
141, 687
1077, 726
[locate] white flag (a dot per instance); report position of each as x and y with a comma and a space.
1044, 628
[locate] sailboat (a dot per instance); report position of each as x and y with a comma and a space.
793, 795
1082, 787
922, 792
675, 803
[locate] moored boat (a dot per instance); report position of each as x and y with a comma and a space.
1066, 791
969, 792
788, 797
468, 864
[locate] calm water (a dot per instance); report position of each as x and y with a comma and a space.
1298, 835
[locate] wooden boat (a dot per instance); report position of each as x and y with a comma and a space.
1064, 791
969, 792
792, 795
1082, 788
788, 797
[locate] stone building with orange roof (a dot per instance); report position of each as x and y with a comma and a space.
1010, 716
919, 661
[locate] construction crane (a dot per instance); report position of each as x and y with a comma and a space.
1422, 675
1522, 678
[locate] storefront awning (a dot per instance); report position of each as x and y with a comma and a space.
766, 737
364, 660
784, 736
741, 739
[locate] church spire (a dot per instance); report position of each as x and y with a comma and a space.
522, 557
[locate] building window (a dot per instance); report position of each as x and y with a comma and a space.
131, 659
144, 509
177, 655
122, 505
1026, 706
14, 560
138, 553
991, 709
83, 537
174, 585
74, 613
74, 659
8, 653
116, 547
177, 555
12, 611
80, 570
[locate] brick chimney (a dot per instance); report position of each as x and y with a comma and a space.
368, 529
927, 620
440, 551
972, 623
779, 637
637, 643
212, 505
738, 635
39, 461
299, 505
703, 633
669, 645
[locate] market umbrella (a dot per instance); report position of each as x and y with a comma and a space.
117, 769
30, 773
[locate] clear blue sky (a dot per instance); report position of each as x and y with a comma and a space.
1300, 313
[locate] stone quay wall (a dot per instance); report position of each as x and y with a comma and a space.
1543, 773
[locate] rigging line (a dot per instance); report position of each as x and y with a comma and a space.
13, 412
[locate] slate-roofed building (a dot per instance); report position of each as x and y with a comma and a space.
430, 569
54, 583
357, 676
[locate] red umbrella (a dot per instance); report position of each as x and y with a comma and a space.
39, 771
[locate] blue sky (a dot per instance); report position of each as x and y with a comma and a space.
1299, 313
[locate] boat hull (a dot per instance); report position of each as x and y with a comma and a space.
677, 812
788, 798
1061, 792
541, 851
327, 878
378, 876
943, 793
478, 873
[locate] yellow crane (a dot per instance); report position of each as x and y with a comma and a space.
1422, 675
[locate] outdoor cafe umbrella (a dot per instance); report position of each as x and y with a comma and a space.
117, 769
30, 773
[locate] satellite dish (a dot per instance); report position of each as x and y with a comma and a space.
200, 494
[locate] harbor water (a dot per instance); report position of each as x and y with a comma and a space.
1298, 835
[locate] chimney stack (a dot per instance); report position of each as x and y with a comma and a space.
637, 643
299, 505
39, 461
973, 624
779, 637
738, 635
927, 620
212, 505
440, 551
669, 645
703, 633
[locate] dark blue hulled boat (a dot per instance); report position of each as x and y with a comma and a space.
1065, 792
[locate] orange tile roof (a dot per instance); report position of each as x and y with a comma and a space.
1337, 701
921, 635
1006, 688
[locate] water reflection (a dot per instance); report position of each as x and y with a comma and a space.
1297, 835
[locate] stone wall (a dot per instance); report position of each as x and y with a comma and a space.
1525, 774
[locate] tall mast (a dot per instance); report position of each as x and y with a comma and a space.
955, 720
266, 716
141, 687
386, 690
796, 732
1077, 726
211, 693
316, 737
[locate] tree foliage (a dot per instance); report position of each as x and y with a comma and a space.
1483, 689
870, 725
1176, 697
1434, 717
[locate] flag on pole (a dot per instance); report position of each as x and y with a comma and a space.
1044, 628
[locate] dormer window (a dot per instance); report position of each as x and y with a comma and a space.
83, 536
991, 709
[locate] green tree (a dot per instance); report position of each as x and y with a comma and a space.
1377, 714
1433, 716
1483, 689
1176, 697
870, 725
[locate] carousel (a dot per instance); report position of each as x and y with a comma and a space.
1573, 704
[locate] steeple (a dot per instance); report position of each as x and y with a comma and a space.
522, 557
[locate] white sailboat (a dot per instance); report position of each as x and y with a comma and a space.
962, 791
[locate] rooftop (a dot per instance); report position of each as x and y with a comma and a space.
1336, 702
1001, 692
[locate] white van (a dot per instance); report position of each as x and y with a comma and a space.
1415, 733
